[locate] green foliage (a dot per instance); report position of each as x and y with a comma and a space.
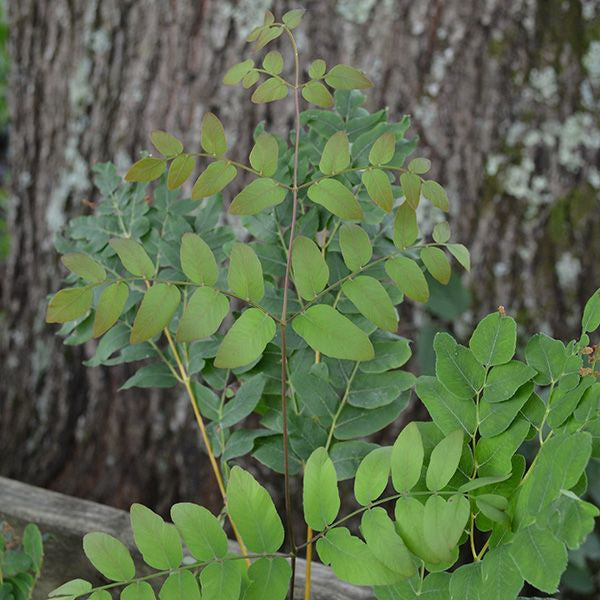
298, 324
21, 561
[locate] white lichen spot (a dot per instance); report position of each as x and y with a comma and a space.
591, 61
100, 42
247, 15
568, 269
589, 9
356, 11
544, 84
80, 91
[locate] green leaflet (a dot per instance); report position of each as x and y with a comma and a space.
419, 165
265, 155
411, 186
379, 188
461, 254
385, 543
379, 389
203, 315
213, 135
590, 321
310, 270
441, 232
570, 519
180, 585
166, 143
244, 401
336, 198
197, 260
547, 356
494, 418
321, 499
246, 340
270, 90
540, 557
158, 541
436, 194
293, 18
443, 524
221, 581
71, 589
269, 578
141, 590
216, 177
383, 149
494, 454
326, 330
69, 304
133, 256
316, 93
456, 367
390, 354
444, 461
448, 411
560, 464
317, 68
351, 559
355, 245
359, 422
466, 583
409, 513
371, 299
236, 73
253, 512
504, 380
501, 579
372, 475
343, 77
180, 170
109, 556
200, 530
409, 278
152, 375
493, 506
437, 263
260, 194
158, 306
406, 230
245, 275
336, 154
494, 340
146, 169
273, 62
407, 458
84, 266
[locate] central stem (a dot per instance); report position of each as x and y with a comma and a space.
283, 320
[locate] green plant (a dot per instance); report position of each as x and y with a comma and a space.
319, 362
457, 479
20, 561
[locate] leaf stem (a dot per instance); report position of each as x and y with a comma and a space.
341, 406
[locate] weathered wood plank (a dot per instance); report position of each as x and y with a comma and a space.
67, 519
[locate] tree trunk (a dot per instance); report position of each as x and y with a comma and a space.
502, 95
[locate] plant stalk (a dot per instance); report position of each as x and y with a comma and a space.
283, 320
200, 421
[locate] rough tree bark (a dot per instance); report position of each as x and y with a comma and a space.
502, 95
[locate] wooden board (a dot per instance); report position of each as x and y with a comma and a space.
64, 520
